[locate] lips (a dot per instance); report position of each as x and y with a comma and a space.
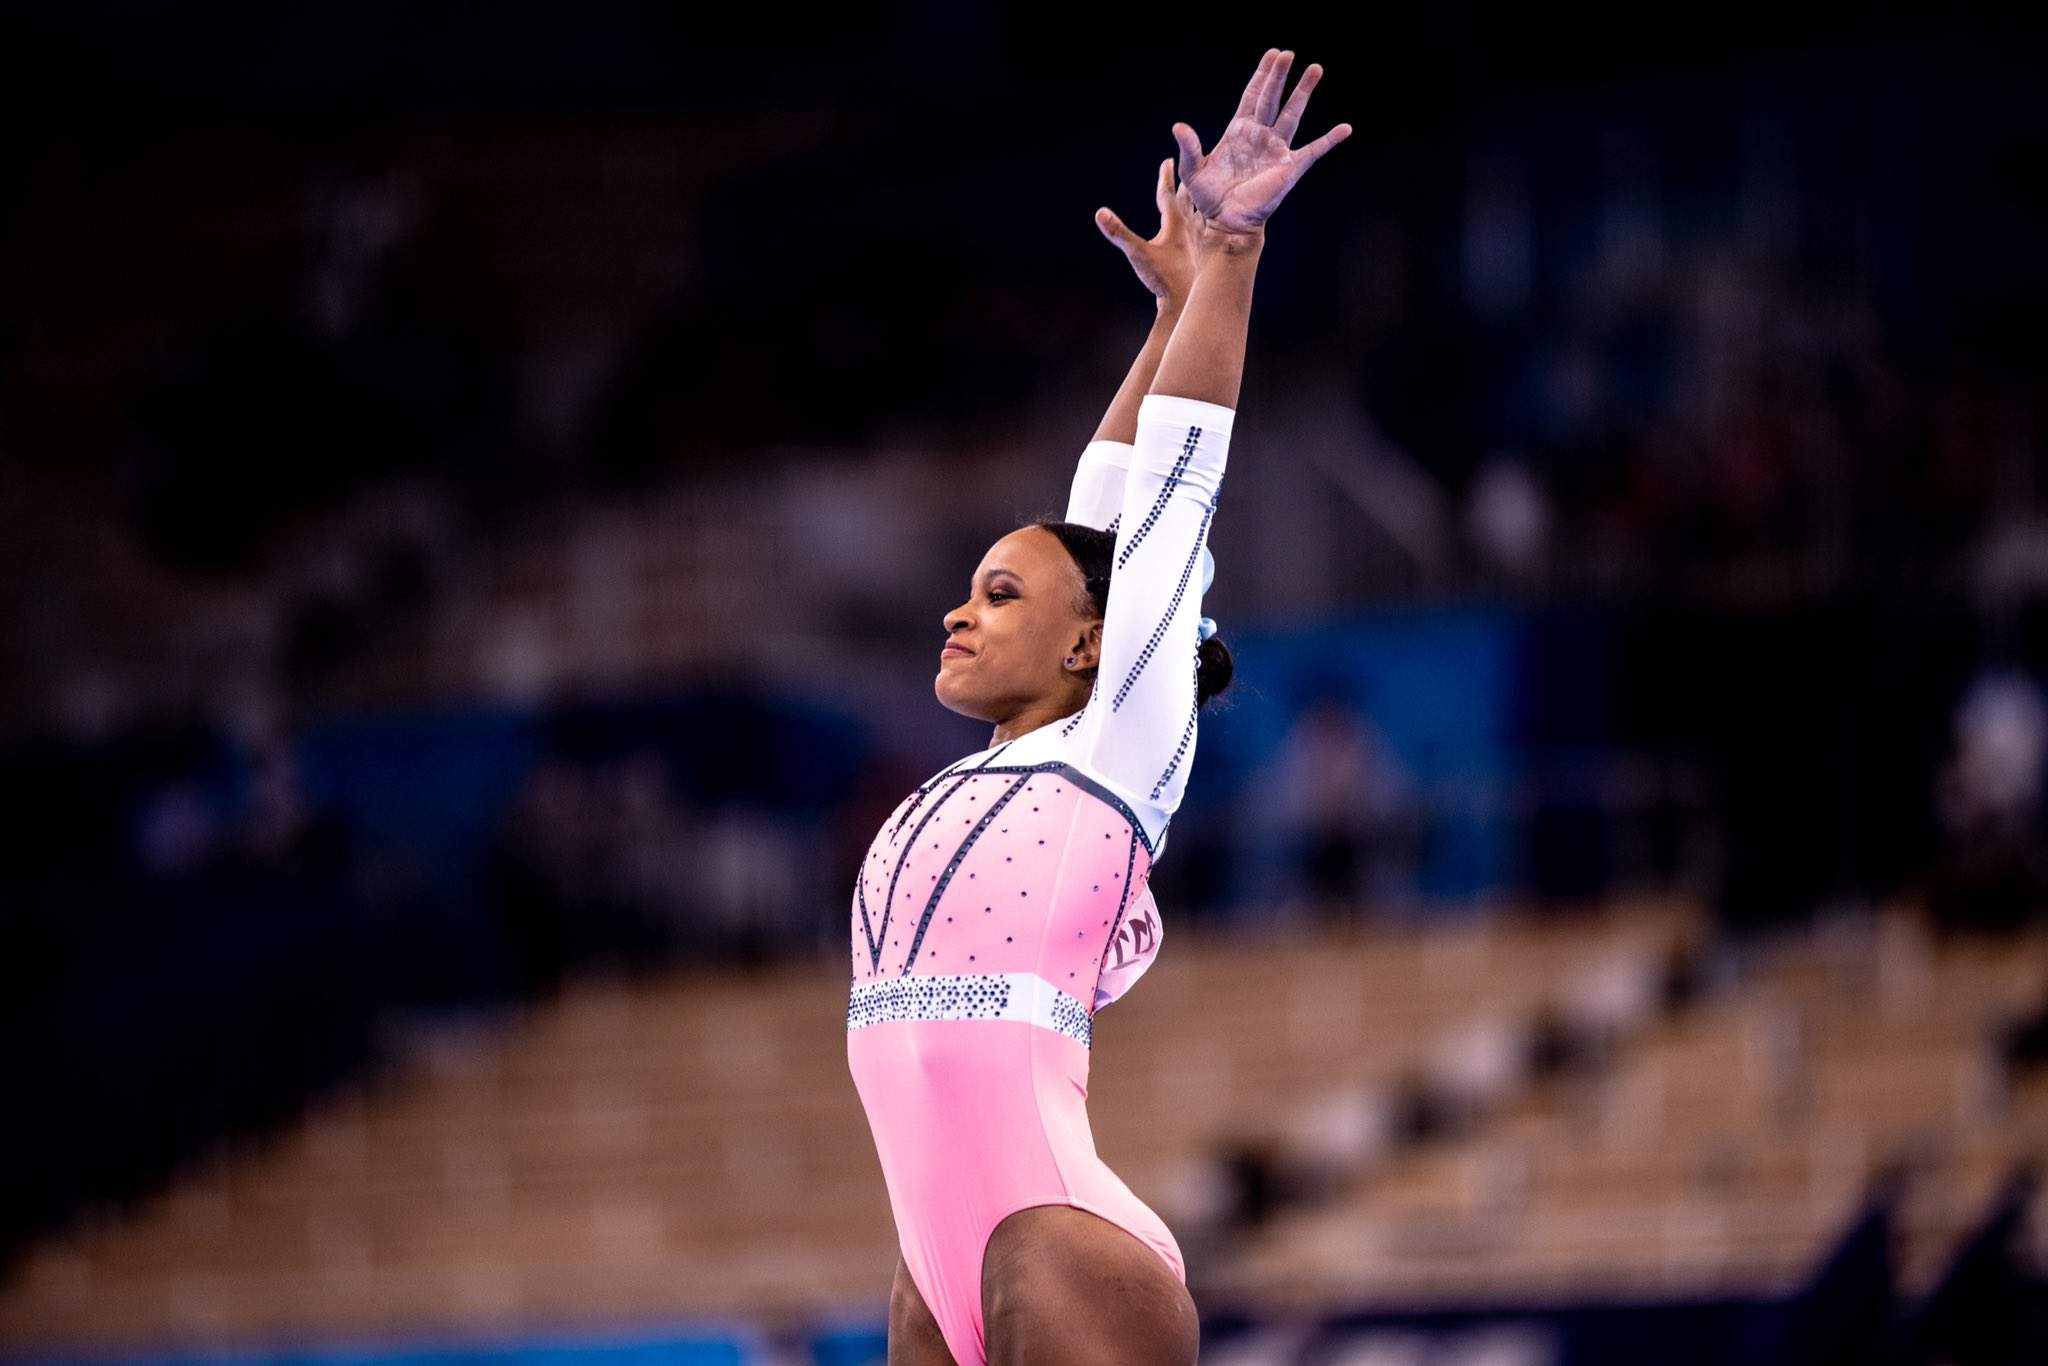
954, 650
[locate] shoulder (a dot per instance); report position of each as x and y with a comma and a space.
1146, 816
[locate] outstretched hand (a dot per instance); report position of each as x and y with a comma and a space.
1239, 184
1165, 263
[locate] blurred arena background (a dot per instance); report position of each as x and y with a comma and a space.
479, 486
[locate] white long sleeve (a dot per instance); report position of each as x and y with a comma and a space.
1098, 493
1138, 730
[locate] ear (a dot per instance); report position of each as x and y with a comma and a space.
1087, 647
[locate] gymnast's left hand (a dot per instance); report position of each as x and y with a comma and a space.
1237, 186
1167, 262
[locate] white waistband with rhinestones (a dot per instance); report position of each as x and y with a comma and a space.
970, 996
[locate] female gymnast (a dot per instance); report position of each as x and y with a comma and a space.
1004, 901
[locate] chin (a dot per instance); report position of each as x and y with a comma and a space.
951, 702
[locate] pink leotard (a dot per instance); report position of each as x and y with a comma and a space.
1004, 901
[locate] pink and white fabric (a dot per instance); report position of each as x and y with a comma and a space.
1004, 901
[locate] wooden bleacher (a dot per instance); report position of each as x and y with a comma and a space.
692, 1145
1725, 1153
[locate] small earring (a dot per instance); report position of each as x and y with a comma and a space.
1070, 659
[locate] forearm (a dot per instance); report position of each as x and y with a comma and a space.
1120, 423
1204, 356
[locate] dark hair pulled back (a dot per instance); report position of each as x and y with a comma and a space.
1094, 552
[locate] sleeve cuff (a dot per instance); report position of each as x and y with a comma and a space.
1179, 410
1117, 453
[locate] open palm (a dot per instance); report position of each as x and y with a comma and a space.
1239, 183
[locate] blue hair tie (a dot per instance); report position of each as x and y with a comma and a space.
1208, 626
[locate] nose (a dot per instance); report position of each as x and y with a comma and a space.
957, 620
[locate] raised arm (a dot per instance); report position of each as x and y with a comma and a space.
1235, 188
1138, 729
1204, 357
1165, 264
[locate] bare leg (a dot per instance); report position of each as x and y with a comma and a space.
914, 1337
1063, 1287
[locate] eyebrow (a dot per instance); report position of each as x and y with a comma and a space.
988, 574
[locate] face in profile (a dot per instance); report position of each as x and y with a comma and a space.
1007, 645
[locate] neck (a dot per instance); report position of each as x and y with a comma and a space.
1032, 717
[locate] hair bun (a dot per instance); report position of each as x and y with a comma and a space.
1214, 669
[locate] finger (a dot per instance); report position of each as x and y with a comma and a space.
1113, 228
1307, 156
1162, 193
1290, 116
1248, 104
1190, 151
1276, 81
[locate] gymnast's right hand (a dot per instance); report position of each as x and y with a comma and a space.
1236, 186
1165, 264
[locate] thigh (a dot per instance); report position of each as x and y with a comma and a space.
914, 1337
1064, 1286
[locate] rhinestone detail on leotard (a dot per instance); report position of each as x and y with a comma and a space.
1187, 453
970, 996
1180, 591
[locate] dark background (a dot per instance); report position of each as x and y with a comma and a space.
342, 348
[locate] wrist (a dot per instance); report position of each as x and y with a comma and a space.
1217, 242
1167, 308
